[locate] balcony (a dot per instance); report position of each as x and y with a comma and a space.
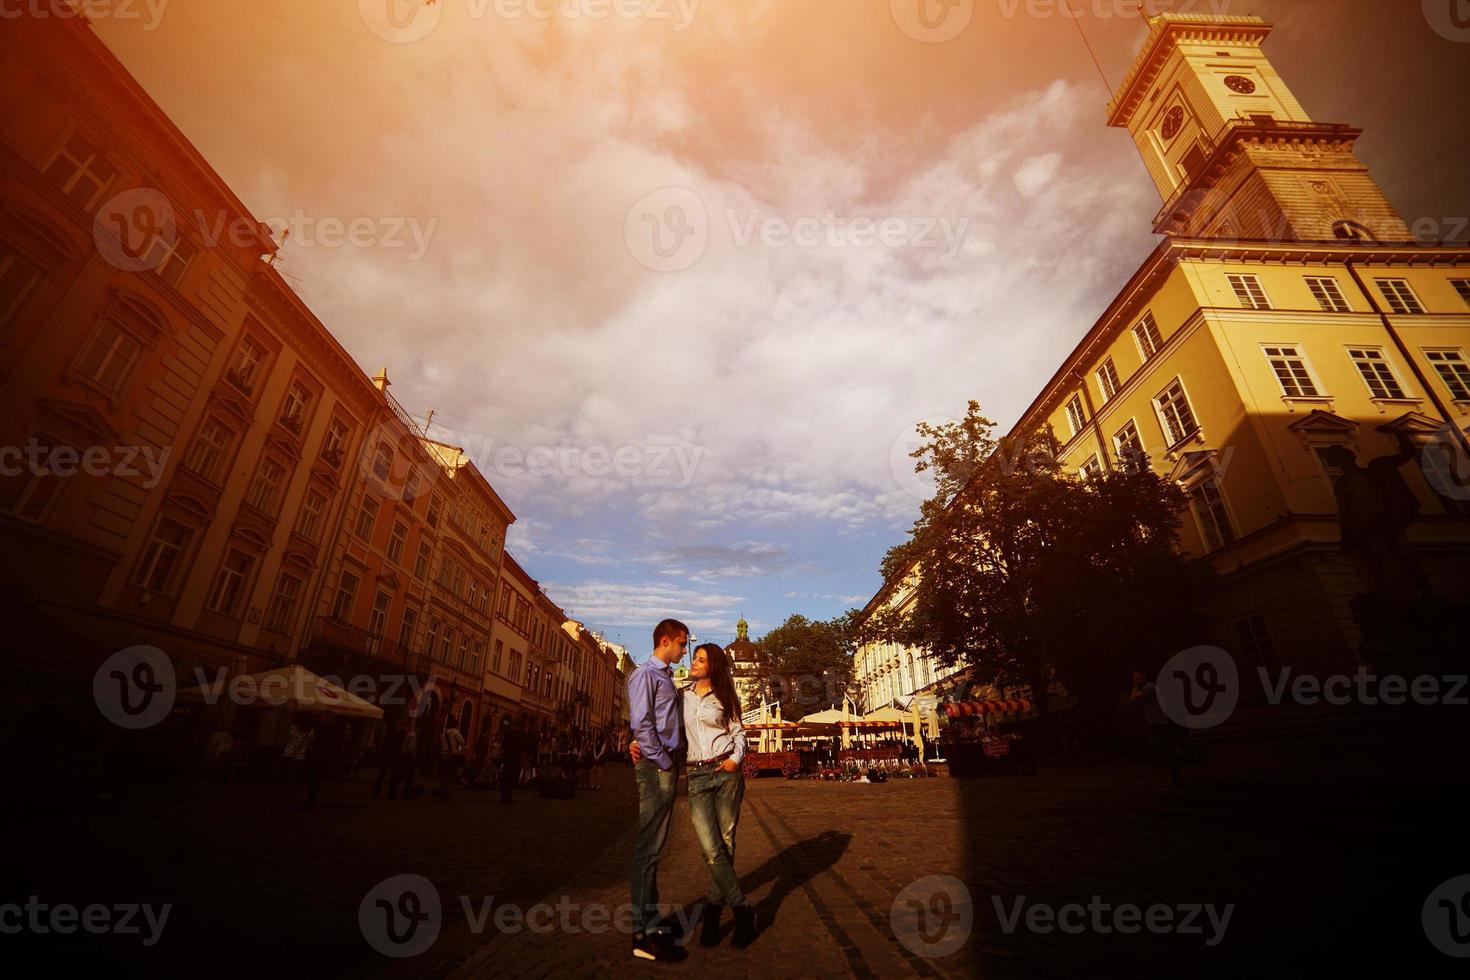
334, 636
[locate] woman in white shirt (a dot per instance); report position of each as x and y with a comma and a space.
716, 786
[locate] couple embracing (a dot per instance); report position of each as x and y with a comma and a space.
698, 727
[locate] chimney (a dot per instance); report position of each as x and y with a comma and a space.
380, 380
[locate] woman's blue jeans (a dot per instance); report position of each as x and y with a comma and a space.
714, 805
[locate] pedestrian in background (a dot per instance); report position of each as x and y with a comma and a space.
451, 757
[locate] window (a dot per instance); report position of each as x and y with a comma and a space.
499, 656
1328, 294
1439, 464
378, 618
80, 172
1401, 298
476, 653
1075, 416
1107, 379
107, 361
1256, 642
464, 651
18, 276
1291, 371
436, 507
504, 608
1091, 468
406, 628
515, 664
249, 356
382, 461
229, 584
367, 517
334, 444
1248, 290
293, 411
309, 525
1377, 375
1208, 504
446, 644
1462, 286
1330, 470
265, 490
431, 641
1453, 371
27, 490
410, 489
396, 541
1146, 332
169, 258
283, 603
421, 563
1175, 414
346, 596
211, 447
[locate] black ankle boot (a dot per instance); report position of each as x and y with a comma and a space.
744, 926
709, 932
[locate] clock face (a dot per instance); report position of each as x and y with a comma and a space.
1239, 83
1173, 120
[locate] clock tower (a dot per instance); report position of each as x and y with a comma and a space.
1233, 153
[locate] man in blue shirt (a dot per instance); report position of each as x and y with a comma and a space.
657, 721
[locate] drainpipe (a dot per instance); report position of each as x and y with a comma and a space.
1403, 350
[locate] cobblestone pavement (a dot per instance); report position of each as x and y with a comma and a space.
850, 880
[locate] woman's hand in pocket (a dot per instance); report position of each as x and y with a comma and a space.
730, 765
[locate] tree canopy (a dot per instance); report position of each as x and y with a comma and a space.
808, 664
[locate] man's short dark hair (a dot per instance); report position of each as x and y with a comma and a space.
669, 629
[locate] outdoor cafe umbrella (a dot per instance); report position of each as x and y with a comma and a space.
285, 687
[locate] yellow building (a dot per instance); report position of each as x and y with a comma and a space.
1286, 310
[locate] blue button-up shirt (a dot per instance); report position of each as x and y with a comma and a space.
654, 712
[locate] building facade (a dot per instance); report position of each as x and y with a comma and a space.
1286, 313
746, 666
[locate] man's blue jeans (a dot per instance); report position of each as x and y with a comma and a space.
655, 808
714, 803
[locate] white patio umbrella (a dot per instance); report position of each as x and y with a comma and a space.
285, 687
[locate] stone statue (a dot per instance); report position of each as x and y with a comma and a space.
1375, 507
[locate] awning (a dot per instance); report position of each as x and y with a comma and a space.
770, 726
961, 709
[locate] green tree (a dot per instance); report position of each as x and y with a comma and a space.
808, 664
1032, 575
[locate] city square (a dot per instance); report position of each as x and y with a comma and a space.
511, 488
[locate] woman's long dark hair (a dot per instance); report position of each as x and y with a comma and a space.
720, 680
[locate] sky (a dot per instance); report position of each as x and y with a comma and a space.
682, 275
